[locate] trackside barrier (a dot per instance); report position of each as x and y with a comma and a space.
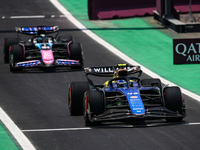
113, 9
108, 9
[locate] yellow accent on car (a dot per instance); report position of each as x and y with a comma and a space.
121, 65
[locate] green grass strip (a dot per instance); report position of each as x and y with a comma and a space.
6, 143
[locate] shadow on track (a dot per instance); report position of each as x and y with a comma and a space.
46, 70
96, 29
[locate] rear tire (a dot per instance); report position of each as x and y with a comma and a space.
16, 55
174, 101
149, 82
75, 50
94, 105
7, 43
75, 97
65, 38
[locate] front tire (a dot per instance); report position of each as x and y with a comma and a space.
75, 50
7, 43
94, 105
75, 97
174, 101
16, 55
65, 38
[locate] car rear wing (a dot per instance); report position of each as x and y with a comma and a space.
34, 30
37, 30
109, 70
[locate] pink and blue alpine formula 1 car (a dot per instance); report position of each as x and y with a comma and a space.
125, 97
43, 50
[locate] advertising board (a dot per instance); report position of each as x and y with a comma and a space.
186, 51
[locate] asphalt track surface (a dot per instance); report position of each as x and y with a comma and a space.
37, 101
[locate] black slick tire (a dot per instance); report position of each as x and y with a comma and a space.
75, 50
16, 55
174, 102
93, 106
6, 45
75, 97
65, 38
151, 82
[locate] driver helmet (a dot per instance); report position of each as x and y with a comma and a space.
42, 39
39, 39
45, 40
121, 83
41, 36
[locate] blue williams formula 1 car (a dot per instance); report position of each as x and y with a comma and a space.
44, 50
125, 97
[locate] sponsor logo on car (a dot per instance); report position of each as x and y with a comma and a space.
134, 97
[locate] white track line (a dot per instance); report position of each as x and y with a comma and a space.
196, 123
33, 17
60, 129
15, 131
118, 126
24, 17
114, 50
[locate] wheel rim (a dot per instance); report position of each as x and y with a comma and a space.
85, 111
11, 61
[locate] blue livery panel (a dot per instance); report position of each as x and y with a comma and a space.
28, 63
134, 99
66, 62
